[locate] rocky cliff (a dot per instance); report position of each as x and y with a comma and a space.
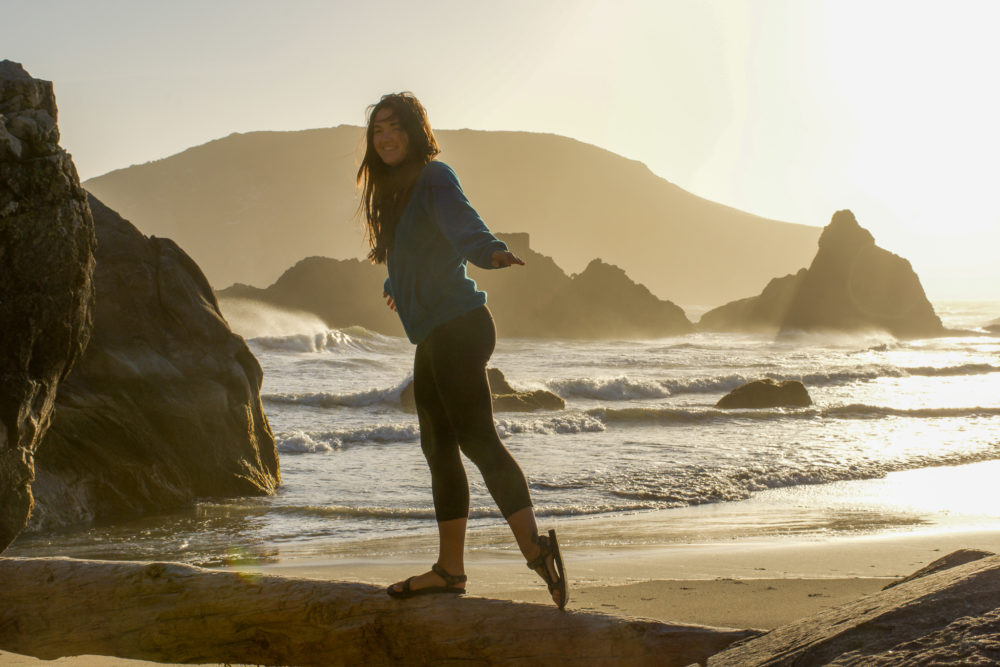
164, 406
852, 285
537, 300
46, 288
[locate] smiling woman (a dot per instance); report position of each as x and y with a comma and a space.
421, 225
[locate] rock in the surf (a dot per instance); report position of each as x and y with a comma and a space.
46, 281
948, 617
164, 406
853, 285
505, 397
767, 393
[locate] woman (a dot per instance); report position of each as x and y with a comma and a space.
420, 224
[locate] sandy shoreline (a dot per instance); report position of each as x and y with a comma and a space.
740, 584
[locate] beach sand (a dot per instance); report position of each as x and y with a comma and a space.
739, 584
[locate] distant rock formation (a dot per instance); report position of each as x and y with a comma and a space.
949, 616
341, 292
767, 393
852, 285
46, 280
505, 397
757, 314
164, 406
537, 300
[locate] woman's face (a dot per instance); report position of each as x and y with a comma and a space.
390, 139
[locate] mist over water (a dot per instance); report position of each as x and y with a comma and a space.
640, 430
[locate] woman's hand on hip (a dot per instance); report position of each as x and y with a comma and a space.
504, 258
388, 300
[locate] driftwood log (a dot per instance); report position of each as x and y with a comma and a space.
169, 612
949, 615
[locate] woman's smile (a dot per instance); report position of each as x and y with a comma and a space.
391, 140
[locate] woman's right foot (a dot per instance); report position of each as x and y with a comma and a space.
549, 565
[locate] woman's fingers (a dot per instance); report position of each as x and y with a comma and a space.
502, 258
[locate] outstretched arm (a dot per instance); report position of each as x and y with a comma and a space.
461, 224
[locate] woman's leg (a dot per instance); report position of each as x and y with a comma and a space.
459, 352
449, 486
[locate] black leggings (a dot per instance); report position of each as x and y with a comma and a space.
455, 410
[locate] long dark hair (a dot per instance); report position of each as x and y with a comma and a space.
386, 190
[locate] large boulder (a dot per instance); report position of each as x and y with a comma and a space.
853, 285
164, 406
767, 393
46, 280
946, 617
763, 313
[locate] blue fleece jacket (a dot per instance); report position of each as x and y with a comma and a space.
438, 233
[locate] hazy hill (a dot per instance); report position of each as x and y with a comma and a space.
248, 206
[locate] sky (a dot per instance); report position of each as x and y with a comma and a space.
789, 109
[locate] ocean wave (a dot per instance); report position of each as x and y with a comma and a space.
681, 416
427, 513
301, 442
609, 389
699, 486
950, 371
356, 339
562, 424
324, 399
626, 389
876, 411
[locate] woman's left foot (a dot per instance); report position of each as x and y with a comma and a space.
549, 566
427, 584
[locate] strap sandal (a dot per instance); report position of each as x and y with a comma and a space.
550, 549
451, 585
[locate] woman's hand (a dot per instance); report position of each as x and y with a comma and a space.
388, 301
503, 258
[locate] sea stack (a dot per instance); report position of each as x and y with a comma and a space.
164, 406
46, 285
853, 285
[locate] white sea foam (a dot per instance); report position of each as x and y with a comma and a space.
684, 416
328, 340
561, 424
609, 389
389, 395
254, 319
299, 442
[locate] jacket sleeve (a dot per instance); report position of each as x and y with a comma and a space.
387, 287
458, 221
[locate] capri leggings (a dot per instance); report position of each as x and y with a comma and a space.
455, 410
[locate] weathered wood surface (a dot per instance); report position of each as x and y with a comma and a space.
946, 617
169, 612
